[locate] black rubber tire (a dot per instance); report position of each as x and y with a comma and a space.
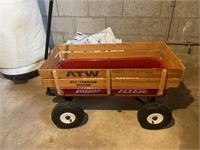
67, 107
154, 108
68, 98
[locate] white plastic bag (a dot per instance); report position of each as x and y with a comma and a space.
105, 36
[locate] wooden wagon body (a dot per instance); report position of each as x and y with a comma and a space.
127, 69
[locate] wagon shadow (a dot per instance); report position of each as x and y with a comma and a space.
108, 103
104, 103
178, 98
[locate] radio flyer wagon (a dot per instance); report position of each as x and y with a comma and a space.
145, 69
142, 69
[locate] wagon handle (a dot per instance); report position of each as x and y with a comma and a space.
48, 29
162, 82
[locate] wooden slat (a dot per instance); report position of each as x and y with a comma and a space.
174, 73
135, 54
76, 83
62, 73
46, 73
162, 82
57, 83
123, 73
145, 73
145, 83
117, 46
108, 81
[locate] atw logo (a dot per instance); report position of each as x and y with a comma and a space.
82, 73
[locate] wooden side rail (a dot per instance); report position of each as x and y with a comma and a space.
113, 46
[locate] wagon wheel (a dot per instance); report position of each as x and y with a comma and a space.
154, 116
68, 98
67, 115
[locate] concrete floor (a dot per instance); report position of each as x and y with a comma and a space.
111, 123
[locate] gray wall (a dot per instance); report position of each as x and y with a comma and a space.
131, 20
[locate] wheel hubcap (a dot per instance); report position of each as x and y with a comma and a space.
67, 118
155, 118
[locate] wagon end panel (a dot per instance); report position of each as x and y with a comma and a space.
172, 61
173, 64
52, 61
